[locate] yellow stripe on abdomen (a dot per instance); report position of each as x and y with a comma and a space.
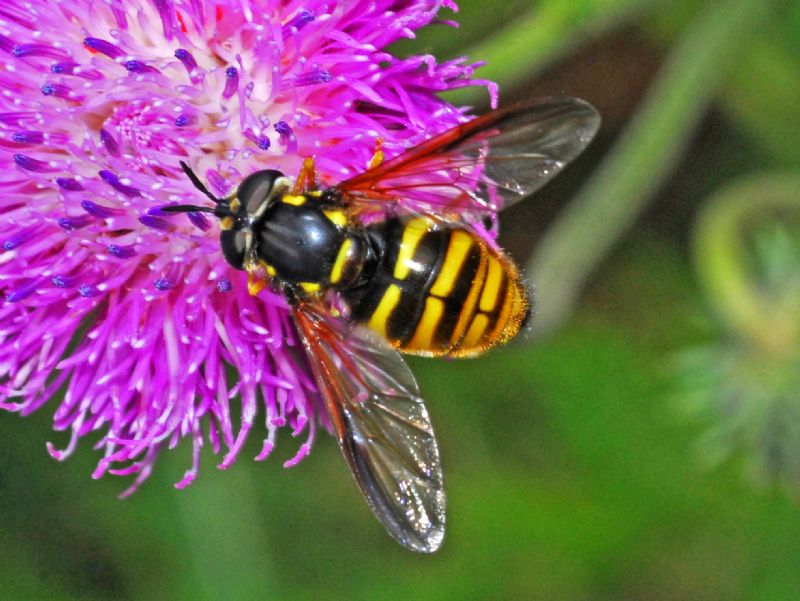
422, 340
491, 288
457, 251
383, 311
475, 331
414, 231
470, 307
513, 309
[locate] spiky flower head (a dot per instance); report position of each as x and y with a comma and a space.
744, 384
128, 313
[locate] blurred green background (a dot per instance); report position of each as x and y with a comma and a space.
643, 442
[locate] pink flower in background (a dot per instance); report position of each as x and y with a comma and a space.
131, 313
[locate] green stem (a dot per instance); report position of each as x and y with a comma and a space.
642, 159
763, 96
771, 321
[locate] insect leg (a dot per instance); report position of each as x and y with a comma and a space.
378, 157
307, 179
256, 281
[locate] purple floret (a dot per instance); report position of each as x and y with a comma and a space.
94, 123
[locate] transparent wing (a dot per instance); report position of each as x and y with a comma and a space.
484, 165
382, 426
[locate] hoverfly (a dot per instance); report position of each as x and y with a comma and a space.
366, 276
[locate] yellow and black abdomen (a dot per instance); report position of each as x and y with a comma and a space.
439, 289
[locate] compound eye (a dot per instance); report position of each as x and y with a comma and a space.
234, 247
255, 190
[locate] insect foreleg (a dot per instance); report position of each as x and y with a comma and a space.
307, 179
378, 157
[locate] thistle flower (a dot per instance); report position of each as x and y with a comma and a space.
132, 312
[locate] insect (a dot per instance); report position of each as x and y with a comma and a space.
387, 262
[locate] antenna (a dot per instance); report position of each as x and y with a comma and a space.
190, 209
200, 185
